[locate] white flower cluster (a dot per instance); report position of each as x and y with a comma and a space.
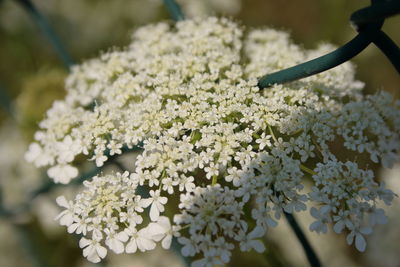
346, 194
237, 156
109, 211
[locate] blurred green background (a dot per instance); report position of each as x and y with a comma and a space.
33, 75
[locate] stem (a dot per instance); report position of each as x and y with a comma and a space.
214, 180
29, 245
5, 102
307, 170
174, 10
119, 165
45, 27
323, 63
310, 253
272, 134
4, 212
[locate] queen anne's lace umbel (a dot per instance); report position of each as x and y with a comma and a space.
237, 156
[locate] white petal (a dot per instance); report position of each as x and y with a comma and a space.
116, 246
366, 230
160, 206
122, 236
349, 238
257, 232
187, 249
257, 245
62, 173
360, 243
131, 247
33, 152
146, 202
92, 255
271, 222
97, 234
154, 212
338, 227
67, 219
145, 244
93, 258
101, 251
62, 202
166, 243
71, 171
72, 228
314, 212
164, 222
156, 231
163, 200
83, 242
89, 250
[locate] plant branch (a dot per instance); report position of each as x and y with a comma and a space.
5, 102
174, 9
29, 245
47, 30
310, 253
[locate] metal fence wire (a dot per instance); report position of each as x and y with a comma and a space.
367, 21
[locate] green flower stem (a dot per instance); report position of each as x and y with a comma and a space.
174, 9
310, 253
307, 170
273, 255
4, 213
272, 134
27, 242
389, 48
379, 10
47, 30
214, 180
5, 102
323, 63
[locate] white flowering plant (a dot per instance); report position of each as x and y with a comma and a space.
221, 159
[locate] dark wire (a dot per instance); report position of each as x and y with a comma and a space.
368, 22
